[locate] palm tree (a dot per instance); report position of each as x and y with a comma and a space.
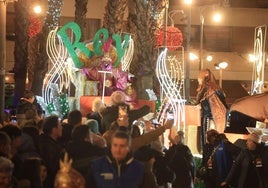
143, 20
21, 48
41, 65
80, 15
114, 16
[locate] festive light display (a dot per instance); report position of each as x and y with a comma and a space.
170, 73
173, 37
57, 80
259, 60
72, 59
53, 13
34, 26
127, 58
99, 40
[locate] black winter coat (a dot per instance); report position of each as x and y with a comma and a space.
247, 172
51, 153
181, 161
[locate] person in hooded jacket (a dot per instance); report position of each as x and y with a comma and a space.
250, 168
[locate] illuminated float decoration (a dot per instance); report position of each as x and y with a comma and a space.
57, 80
170, 73
81, 62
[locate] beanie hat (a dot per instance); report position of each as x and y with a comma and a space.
117, 97
255, 137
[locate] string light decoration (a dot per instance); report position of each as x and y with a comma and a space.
34, 26
174, 37
53, 13
170, 74
64, 104
128, 55
259, 60
57, 80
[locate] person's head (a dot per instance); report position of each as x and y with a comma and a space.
222, 137
6, 170
52, 127
93, 125
120, 145
29, 95
212, 136
179, 138
14, 134
75, 117
30, 113
32, 131
5, 144
253, 139
97, 105
206, 77
30, 170
117, 97
81, 134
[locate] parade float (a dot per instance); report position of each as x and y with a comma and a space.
93, 68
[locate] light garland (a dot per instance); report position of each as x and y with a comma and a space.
34, 26
173, 37
171, 81
53, 13
259, 60
57, 77
128, 56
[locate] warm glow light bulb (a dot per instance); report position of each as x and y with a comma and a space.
251, 58
223, 65
193, 56
209, 58
217, 17
188, 2
37, 9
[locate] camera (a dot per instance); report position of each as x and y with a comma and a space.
122, 110
13, 119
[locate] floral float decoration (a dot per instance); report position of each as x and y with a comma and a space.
174, 37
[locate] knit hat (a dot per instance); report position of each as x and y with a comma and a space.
255, 136
117, 97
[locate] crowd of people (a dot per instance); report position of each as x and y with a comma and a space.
107, 148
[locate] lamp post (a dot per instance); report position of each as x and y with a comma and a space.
202, 20
221, 66
187, 63
3, 5
216, 18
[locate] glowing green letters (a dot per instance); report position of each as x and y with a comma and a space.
99, 39
71, 47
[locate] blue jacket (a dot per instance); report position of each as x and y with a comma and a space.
106, 173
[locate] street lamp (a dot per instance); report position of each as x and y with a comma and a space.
216, 18
187, 63
221, 66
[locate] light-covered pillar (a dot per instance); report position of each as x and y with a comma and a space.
3, 4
